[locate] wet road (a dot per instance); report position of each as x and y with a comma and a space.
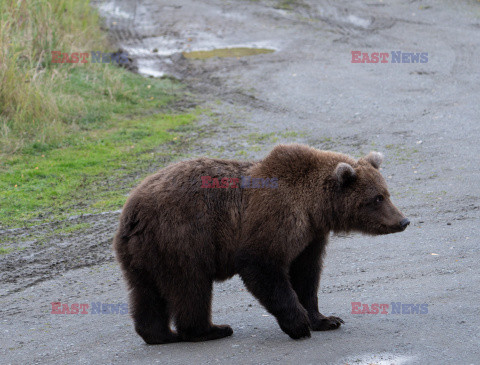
423, 116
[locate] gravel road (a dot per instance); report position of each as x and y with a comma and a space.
423, 116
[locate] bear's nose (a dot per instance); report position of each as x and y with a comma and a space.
404, 223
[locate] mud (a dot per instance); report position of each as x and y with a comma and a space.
422, 116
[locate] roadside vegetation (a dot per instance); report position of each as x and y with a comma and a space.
74, 138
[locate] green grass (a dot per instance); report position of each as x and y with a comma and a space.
93, 97
287, 4
255, 138
30, 84
71, 228
86, 99
6, 250
93, 174
116, 121
74, 138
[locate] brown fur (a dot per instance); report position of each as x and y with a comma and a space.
176, 238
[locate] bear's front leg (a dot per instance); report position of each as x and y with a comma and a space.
269, 283
305, 273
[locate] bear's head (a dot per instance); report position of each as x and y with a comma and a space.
362, 201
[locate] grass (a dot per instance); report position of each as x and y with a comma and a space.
287, 4
30, 85
256, 138
67, 228
74, 138
6, 250
94, 174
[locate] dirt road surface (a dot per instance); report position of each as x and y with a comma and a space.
423, 116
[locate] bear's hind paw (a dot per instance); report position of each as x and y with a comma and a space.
214, 333
162, 339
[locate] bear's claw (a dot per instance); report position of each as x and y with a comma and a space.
327, 323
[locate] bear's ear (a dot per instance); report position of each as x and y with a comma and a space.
344, 173
374, 158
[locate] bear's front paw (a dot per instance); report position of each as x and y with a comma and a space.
326, 323
297, 328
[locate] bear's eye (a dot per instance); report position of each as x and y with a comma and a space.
379, 199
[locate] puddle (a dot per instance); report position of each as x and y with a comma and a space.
114, 11
149, 67
226, 52
359, 22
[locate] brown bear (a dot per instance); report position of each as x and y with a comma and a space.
193, 223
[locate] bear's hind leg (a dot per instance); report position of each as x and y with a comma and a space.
305, 273
149, 310
192, 306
